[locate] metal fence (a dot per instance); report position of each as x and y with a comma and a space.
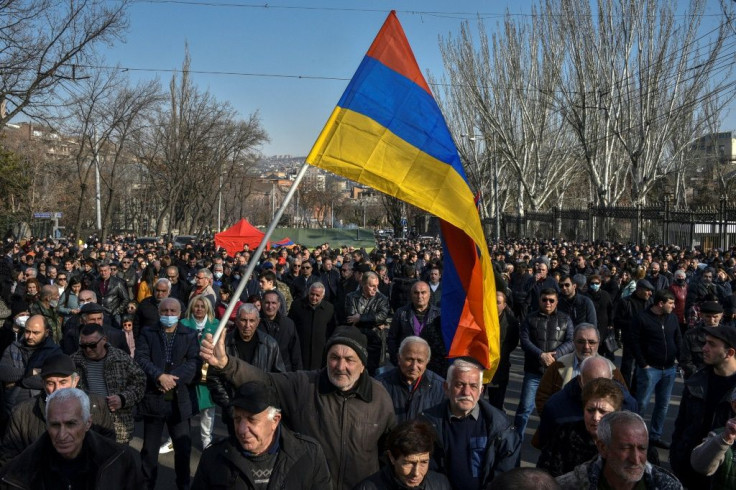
712, 227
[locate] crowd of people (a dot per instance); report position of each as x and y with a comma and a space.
333, 370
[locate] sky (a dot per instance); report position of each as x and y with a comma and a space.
289, 60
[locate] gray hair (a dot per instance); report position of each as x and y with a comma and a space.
91, 293
207, 273
168, 300
249, 309
607, 423
165, 282
66, 394
272, 411
463, 366
317, 285
413, 339
580, 327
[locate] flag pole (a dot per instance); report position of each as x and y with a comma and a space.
254, 258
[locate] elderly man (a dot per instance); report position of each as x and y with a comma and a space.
622, 459
168, 356
705, 402
314, 320
422, 319
28, 420
22, 360
179, 289
146, 315
475, 441
112, 293
368, 310
46, 305
203, 285
412, 387
91, 312
281, 328
251, 345
567, 404
69, 455
586, 340
321, 403
109, 372
546, 335
263, 453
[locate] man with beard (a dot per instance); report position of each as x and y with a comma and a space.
322, 403
21, 363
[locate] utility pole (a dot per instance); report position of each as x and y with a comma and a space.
98, 196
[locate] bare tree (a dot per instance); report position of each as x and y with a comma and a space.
42, 42
637, 76
191, 151
501, 91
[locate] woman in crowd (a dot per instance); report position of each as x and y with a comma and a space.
69, 301
409, 449
574, 442
200, 317
226, 294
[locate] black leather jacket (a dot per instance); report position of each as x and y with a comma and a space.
116, 299
267, 358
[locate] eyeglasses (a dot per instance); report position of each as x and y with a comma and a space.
548, 300
306, 267
588, 342
61, 278
91, 345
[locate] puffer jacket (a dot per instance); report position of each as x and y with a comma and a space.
300, 464
541, 333
28, 422
588, 475
266, 358
349, 428
116, 465
123, 377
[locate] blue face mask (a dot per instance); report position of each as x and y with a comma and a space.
169, 321
594, 287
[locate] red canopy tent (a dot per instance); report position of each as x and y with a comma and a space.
238, 235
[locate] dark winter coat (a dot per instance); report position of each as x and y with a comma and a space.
349, 428
410, 401
314, 325
300, 464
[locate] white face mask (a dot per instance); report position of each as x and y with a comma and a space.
21, 321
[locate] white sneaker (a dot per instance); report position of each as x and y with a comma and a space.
166, 447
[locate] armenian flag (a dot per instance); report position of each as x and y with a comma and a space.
387, 132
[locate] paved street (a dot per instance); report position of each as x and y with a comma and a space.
529, 454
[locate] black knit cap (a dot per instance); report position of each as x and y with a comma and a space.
351, 337
254, 397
